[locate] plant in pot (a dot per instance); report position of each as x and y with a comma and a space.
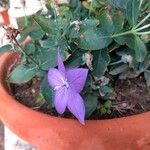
88, 60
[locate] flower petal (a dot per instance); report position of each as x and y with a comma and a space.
61, 98
55, 78
76, 105
77, 78
60, 63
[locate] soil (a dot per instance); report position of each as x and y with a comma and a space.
131, 97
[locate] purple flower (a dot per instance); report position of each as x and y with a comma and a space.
67, 85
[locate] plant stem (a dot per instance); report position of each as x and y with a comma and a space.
25, 17
115, 63
144, 27
90, 10
56, 7
142, 21
143, 33
141, 1
148, 71
23, 51
123, 33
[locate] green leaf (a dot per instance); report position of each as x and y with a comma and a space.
49, 42
40, 99
118, 21
22, 74
36, 34
106, 92
119, 69
135, 43
62, 23
147, 77
48, 57
129, 74
84, 25
119, 3
5, 48
145, 64
54, 41
47, 25
47, 91
105, 89
103, 111
107, 104
75, 60
130, 41
126, 39
132, 12
94, 39
91, 103
106, 22
100, 62
89, 23
50, 9
140, 49
29, 48
26, 32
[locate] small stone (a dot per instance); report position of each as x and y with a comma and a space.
33, 91
124, 104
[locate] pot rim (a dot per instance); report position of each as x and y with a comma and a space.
4, 64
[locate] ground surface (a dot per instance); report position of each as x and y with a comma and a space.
1, 136
13, 142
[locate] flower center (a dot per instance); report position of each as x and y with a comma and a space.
65, 84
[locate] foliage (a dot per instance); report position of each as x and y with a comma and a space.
116, 34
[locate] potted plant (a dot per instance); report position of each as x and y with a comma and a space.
87, 60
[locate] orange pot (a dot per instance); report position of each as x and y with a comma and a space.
52, 133
5, 17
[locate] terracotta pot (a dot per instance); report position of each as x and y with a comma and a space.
5, 17
52, 133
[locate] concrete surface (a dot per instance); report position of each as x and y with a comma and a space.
12, 142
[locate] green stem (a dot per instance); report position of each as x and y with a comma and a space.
41, 5
141, 1
142, 21
115, 63
123, 33
144, 27
25, 17
143, 33
148, 71
23, 51
90, 10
